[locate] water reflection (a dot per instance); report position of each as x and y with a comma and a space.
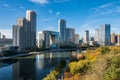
33, 67
40, 61
24, 69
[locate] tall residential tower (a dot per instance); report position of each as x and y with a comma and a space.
97, 35
86, 38
61, 30
105, 35
31, 20
24, 33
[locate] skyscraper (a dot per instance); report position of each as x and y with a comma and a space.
76, 38
105, 35
19, 33
97, 35
113, 38
0, 34
61, 30
118, 41
70, 35
86, 37
31, 20
24, 33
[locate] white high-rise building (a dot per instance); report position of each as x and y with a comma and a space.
86, 37
118, 41
19, 33
113, 38
61, 30
76, 38
31, 20
24, 33
105, 35
97, 36
0, 34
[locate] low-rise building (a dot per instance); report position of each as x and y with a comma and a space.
48, 39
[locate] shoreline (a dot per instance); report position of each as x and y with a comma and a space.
35, 53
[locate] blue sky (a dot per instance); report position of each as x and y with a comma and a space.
79, 14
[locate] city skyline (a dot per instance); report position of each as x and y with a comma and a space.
75, 12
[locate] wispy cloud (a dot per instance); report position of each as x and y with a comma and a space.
6, 5
61, 1
57, 13
107, 5
46, 19
21, 7
50, 11
48, 1
40, 1
108, 8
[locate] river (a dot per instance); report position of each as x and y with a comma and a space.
34, 67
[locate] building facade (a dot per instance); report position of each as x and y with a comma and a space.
70, 35
24, 33
76, 38
31, 26
86, 37
97, 36
105, 35
48, 39
118, 41
62, 30
113, 39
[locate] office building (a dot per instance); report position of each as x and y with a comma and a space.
76, 38
48, 39
97, 36
19, 35
70, 35
118, 41
5, 42
86, 37
0, 34
31, 26
24, 33
61, 30
116, 38
91, 39
113, 39
105, 35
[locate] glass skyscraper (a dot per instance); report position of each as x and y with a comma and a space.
61, 30
105, 35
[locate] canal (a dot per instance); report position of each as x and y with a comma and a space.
34, 67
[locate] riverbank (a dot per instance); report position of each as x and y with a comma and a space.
100, 64
35, 53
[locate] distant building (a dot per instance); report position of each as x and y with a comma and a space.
76, 38
86, 37
118, 41
70, 35
91, 39
0, 34
24, 33
4, 42
97, 35
48, 39
113, 39
61, 30
105, 35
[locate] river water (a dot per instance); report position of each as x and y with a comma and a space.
33, 67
